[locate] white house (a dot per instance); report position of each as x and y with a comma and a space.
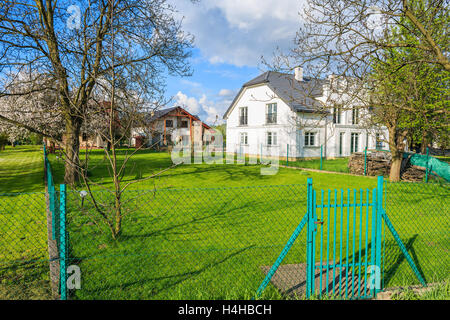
278, 113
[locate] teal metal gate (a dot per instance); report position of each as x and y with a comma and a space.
344, 247
343, 243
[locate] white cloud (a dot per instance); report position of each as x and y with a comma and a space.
239, 32
209, 110
226, 92
189, 103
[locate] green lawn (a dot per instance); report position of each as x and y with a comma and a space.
439, 292
204, 231
196, 228
23, 241
193, 175
21, 169
333, 165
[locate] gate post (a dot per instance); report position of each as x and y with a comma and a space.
378, 237
309, 241
62, 241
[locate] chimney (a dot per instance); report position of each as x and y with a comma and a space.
298, 73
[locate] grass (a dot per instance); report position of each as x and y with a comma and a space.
21, 169
146, 163
23, 229
439, 292
333, 165
177, 240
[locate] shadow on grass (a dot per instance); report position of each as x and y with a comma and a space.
173, 280
222, 210
394, 266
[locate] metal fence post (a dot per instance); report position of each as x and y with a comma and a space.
287, 154
426, 169
321, 157
309, 241
379, 222
365, 161
62, 241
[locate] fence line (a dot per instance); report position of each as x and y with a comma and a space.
199, 243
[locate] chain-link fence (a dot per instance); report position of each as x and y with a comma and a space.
182, 243
24, 263
420, 212
29, 256
204, 243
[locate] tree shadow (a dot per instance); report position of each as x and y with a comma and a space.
393, 269
173, 280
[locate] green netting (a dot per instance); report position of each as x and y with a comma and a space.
441, 168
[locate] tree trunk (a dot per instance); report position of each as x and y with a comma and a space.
394, 174
396, 162
72, 151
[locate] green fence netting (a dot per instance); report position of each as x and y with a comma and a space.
440, 168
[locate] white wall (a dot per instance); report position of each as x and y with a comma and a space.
291, 128
174, 132
255, 99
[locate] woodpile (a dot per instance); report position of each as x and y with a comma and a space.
379, 164
413, 173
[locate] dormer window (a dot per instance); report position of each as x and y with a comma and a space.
271, 113
243, 116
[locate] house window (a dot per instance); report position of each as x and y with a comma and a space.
271, 113
337, 115
243, 139
169, 123
355, 115
183, 124
243, 116
354, 141
84, 137
271, 138
341, 143
185, 140
310, 139
378, 142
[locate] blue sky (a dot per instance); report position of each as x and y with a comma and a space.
231, 36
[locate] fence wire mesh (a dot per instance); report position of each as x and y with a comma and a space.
24, 262
204, 243
420, 212
183, 243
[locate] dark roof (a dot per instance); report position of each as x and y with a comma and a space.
298, 95
155, 115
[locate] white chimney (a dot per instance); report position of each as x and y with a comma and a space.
298, 73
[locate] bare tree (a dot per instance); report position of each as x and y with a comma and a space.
347, 38
67, 44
